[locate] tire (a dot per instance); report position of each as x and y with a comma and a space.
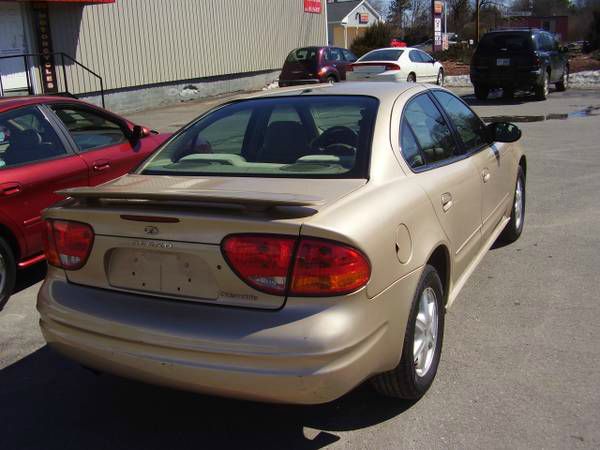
514, 228
8, 272
481, 92
543, 89
331, 79
412, 78
563, 83
405, 380
440, 78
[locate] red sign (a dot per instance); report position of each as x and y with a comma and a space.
312, 6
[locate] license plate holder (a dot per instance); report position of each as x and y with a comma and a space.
503, 62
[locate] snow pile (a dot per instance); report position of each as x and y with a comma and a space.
586, 79
457, 81
271, 85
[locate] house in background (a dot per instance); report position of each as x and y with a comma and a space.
554, 24
348, 19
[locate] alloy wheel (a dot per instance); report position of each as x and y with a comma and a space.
519, 204
426, 332
546, 86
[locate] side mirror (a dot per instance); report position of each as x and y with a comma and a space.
503, 132
138, 132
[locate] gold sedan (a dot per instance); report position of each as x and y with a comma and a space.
286, 247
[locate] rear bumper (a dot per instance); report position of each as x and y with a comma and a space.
513, 79
304, 353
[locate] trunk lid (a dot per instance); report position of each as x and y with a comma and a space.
161, 235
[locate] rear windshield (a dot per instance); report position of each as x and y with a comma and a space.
306, 137
508, 41
382, 55
308, 54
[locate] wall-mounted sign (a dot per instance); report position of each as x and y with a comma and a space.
363, 18
312, 6
436, 18
42, 31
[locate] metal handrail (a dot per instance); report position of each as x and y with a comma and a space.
62, 55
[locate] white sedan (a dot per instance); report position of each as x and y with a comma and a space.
396, 64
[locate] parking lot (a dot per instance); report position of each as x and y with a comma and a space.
521, 360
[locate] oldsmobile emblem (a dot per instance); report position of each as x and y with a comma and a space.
151, 229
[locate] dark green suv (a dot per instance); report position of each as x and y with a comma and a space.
511, 59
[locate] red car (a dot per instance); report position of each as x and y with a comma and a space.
52, 143
315, 65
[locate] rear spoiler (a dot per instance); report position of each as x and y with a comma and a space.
251, 200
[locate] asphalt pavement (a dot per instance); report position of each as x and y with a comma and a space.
521, 360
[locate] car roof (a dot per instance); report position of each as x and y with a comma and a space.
8, 103
384, 91
393, 48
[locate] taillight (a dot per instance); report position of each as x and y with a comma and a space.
328, 268
318, 268
349, 68
262, 261
68, 244
392, 67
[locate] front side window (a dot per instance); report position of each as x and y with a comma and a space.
431, 130
470, 128
311, 136
27, 137
88, 129
349, 56
425, 57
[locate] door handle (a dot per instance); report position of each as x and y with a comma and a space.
101, 166
8, 189
485, 175
447, 201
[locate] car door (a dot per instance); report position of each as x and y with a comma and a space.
35, 162
428, 64
102, 141
415, 65
450, 179
336, 60
494, 166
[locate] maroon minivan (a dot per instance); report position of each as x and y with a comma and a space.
315, 65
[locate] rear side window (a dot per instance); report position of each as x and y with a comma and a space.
470, 128
308, 54
414, 56
334, 54
301, 137
410, 149
382, 55
505, 41
27, 137
90, 130
430, 129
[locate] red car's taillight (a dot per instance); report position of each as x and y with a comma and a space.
349, 68
317, 268
68, 244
